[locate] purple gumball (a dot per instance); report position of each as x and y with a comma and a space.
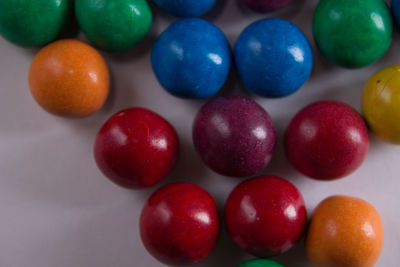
264, 6
234, 136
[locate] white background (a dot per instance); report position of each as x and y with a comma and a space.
57, 209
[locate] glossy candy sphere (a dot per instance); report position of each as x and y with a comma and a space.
344, 232
179, 224
260, 263
185, 8
327, 140
234, 136
264, 6
265, 216
30, 23
380, 103
352, 33
273, 58
136, 148
115, 25
192, 58
69, 78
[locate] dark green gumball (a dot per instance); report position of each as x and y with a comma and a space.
30, 23
352, 33
115, 25
260, 263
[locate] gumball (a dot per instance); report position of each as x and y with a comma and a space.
69, 78
273, 58
327, 140
264, 6
30, 23
185, 8
179, 224
234, 136
115, 25
136, 148
352, 33
192, 59
265, 216
380, 103
344, 232
260, 263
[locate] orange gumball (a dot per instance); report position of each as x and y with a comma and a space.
344, 232
69, 78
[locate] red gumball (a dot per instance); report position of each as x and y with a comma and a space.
265, 216
136, 148
327, 140
179, 224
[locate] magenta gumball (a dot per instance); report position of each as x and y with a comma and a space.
234, 136
264, 6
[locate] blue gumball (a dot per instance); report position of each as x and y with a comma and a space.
273, 58
396, 11
192, 58
185, 8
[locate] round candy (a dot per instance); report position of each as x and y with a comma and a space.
265, 216
327, 140
192, 58
234, 136
380, 103
115, 25
344, 232
273, 58
260, 263
264, 6
352, 33
69, 78
179, 224
136, 148
185, 8
30, 23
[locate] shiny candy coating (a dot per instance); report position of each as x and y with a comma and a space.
352, 33
327, 140
265, 216
260, 263
69, 78
264, 6
234, 136
273, 58
185, 8
179, 224
136, 148
192, 58
344, 232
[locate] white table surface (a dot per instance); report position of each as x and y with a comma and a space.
57, 209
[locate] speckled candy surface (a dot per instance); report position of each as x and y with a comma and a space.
114, 25
69, 78
264, 6
30, 23
380, 103
265, 216
192, 58
234, 136
344, 232
185, 8
352, 33
179, 224
273, 58
327, 140
260, 263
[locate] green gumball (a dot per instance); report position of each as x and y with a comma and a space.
115, 25
260, 263
31, 23
352, 33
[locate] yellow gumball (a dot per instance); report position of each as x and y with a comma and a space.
381, 103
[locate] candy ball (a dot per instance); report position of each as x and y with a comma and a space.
115, 25
265, 216
185, 8
30, 23
179, 224
352, 33
69, 78
344, 232
136, 148
264, 6
234, 136
380, 103
273, 58
192, 59
260, 263
327, 140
